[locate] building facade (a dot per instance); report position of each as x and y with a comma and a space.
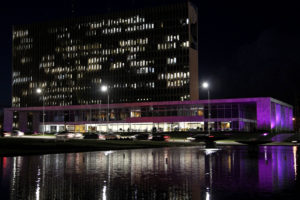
1, 118
245, 115
143, 55
297, 114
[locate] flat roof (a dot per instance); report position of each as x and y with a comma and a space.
160, 103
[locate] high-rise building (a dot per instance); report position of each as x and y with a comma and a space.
142, 55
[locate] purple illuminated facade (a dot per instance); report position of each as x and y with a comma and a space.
241, 114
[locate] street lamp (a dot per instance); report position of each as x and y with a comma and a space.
99, 115
104, 88
40, 92
205, 85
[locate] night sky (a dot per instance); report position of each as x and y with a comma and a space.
246, 48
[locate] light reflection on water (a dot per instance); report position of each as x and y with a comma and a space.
167, 173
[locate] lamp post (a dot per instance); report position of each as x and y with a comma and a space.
99, 116
205, 85
104, 88
40, 92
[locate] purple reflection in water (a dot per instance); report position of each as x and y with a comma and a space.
274, 175
168, 173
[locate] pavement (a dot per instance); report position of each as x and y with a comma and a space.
38, 137
228, 142
218, 142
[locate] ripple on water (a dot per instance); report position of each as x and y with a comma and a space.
166, 173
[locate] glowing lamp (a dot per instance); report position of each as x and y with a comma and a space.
104, 88
39, 90
205, 85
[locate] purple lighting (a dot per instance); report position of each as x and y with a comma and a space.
263, 113
281, 116
271, 114
278, 115
291, 119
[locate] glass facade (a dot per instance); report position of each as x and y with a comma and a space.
222, 111
137, 118
119, 114
224, 117
231, 110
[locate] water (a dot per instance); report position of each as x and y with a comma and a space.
167, 173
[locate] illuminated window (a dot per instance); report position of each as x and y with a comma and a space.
185, 44
171, 61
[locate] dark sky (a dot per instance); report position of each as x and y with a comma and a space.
246, 48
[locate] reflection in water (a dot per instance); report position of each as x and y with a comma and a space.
209, 151
295, 160
168, 173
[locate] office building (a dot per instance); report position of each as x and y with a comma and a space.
143, 55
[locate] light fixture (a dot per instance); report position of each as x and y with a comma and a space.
205, 85
104, 88
39, 90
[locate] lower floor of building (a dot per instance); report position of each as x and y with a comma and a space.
243, 114
149, 127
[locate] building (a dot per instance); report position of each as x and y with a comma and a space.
1, 118
148, 58
143, 55
297, 114
244, 115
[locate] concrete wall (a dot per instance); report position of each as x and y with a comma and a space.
23, 121
263, 112
36, 122
274, 115
7, 120
281, 117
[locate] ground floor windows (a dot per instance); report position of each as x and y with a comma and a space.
148, 127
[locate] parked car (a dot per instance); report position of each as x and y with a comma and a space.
16, 133
199, 137
133, 137
161, 137
112, 136
96, 136
143, 136
78, 135
64, 135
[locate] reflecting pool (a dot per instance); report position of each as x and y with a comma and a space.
239, 172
